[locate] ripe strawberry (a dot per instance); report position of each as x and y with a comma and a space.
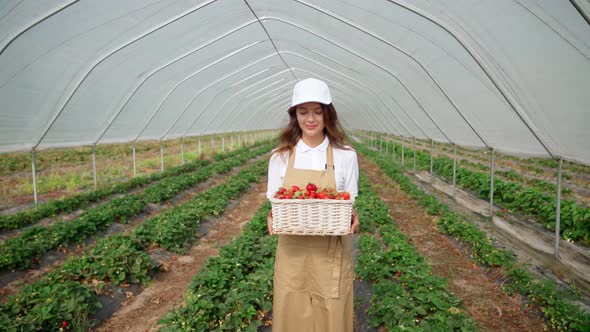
323, 195
311, 187
345, 196
295, 188
313, 195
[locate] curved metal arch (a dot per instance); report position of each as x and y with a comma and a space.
268, 35
209, 86
273, 118
288, 83
257, 108
218, 94
258, 97
209, 65
378, 124
212, 99
580, 9
160, 68
315, 74
343, 20
220, 111
96, 63
327, 58
23, 31
549, 26
297, 69
328, 80
369, 61
353, 80
255, 92
389, 95
481, 63
254, 99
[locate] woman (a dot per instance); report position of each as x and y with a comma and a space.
313, 274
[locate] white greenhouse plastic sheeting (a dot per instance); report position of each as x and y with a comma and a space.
512, 75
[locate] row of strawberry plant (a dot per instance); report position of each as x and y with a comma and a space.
72, 203
406, 295
535, 203
547, 187
67, 297
23, 251
512, 176
233, 291
555, 303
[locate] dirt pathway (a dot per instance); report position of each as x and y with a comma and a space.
483, 298
168, 289
11, 282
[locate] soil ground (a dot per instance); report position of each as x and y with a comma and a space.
11, 282
475, 285
142, 312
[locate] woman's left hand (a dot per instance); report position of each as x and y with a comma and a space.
354, 223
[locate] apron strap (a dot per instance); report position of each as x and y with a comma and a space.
292, 158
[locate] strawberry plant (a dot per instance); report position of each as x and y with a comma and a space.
405, 293
232, 289
45, 305
555, 304
23, 251
72, 203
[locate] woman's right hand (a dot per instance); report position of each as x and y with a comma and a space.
269, 223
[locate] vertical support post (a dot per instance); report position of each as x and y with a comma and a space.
380, 144
94, 165
558, 210
212, 144
239, 140
414, 154
222, 143
182, 151
403, 153
200, 152
161, 156
232, 142
134, 162
454, 169
492, 185
393, 149
431, 159
34, 173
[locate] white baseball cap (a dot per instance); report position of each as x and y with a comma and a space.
311, 90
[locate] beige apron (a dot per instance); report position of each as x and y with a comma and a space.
313, 274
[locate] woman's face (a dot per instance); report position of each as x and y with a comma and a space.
310, 117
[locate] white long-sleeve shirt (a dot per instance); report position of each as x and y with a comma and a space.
345, 166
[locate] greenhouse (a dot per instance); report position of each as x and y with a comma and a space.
136, 136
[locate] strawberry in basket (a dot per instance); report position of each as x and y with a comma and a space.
311, 192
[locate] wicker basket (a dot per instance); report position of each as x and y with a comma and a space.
311, 216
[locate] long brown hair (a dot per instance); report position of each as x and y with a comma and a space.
332, 128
